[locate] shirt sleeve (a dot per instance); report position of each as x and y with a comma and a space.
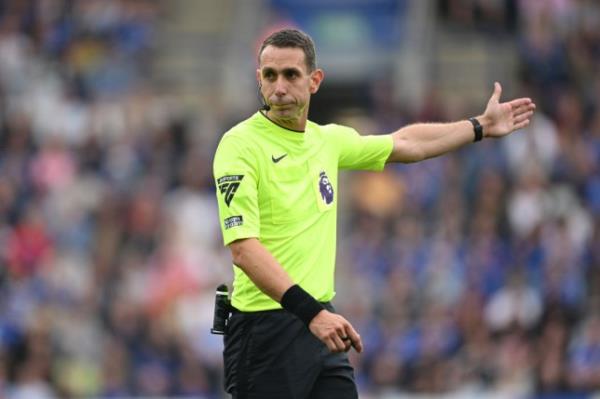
361, 152
236, 180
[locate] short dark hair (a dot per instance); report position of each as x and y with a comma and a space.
296, 39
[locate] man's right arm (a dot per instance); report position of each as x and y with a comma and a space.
261, 267
268, 275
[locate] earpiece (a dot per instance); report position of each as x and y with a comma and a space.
265, 107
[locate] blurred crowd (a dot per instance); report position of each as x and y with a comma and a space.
481, 269
476, 271
108, 228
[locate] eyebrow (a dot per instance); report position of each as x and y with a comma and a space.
287, 70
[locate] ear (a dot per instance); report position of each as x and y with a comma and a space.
316, 77
258, 77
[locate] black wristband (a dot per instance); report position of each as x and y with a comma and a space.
299, 302
477, 128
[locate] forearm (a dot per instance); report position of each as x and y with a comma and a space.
270, 277
261, 267
427, 140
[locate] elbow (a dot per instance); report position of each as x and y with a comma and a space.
405, 151
405, 155
413, 157
239, 252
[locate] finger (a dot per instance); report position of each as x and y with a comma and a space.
340, 346
522, 105
521, 125
520, 118
519, 102
525, 106
354, 338
347, 343
497, 92
522, 111
330, 345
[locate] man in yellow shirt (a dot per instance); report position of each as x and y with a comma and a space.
276, 175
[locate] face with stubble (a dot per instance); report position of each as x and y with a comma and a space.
286, 84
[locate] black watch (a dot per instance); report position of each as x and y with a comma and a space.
477, 128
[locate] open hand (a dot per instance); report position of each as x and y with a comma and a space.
336, 332
500, 119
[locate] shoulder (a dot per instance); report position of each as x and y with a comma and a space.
333, 131
236, 145
240, 137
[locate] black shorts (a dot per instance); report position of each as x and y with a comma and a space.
272, 354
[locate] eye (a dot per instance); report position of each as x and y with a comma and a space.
269, 75
291, 74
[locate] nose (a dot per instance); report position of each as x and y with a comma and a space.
280, 87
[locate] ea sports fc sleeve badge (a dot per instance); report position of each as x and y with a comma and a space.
228, 185
238, 208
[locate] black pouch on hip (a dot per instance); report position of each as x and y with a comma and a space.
222, 311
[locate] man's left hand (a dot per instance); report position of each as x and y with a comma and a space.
500, 119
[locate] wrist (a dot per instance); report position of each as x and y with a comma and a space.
299, 302
477, 129
486, 124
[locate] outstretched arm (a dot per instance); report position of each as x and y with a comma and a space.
427, 140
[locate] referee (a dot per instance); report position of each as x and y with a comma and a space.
277, 176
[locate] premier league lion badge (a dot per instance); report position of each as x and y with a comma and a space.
325, 188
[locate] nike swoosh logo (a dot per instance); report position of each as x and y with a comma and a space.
275, 160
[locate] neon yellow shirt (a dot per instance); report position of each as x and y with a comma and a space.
280, 186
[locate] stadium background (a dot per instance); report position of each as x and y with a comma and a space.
472, 275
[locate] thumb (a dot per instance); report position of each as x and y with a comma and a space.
497, 92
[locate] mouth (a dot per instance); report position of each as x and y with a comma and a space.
282, 106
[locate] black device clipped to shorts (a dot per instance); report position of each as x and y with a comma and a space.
222, 310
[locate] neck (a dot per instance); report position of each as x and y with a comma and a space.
296, 125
